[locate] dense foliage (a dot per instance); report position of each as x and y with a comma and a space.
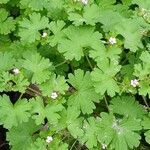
82, 72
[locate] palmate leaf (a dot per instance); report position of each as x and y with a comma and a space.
34, 4
146, 126
142, 71
10, 82
70, 119
142, 5
29, 28
76, 40
4, 1
12, 115
22, 137
119, 133
90, 133
57, 30
6, 61
102, 53
37, 66
127, 106
131, 31
40, 112
90, 16
39, 144
103, 78
58, 144
84, 96
57, 84
7, 24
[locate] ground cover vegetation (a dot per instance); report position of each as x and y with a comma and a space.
75, 74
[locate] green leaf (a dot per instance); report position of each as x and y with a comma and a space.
103, 78
7, 24
131, 31
6, 61
90, 16
39, 144
34, 4
84, 96
29, 28
142, 5
18, 113
4, 1
57, 84
22, 136
40, 112
127, 106
142, 71
74, 122
146, 126
58, 145
102, 53
90, 135
76, 40
57, 30
119, 133
37, 66
113, 18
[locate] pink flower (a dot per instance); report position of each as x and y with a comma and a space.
134, 83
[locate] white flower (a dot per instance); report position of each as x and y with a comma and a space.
112, 40
49, 139
134, 83
44, 35
104, 146
54, 95
85, 2
16, 71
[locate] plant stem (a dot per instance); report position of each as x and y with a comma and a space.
60, 63
88, 60
34, 91
106, 102
73, 144
144, 99
20, 96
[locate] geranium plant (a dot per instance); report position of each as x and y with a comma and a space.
75, 74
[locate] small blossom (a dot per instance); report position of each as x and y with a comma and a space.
112, 40
104, 146
16, 71
44, 35
134, 83
54, 95
49, 139
85, 2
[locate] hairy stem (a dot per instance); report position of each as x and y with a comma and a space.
88, 60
